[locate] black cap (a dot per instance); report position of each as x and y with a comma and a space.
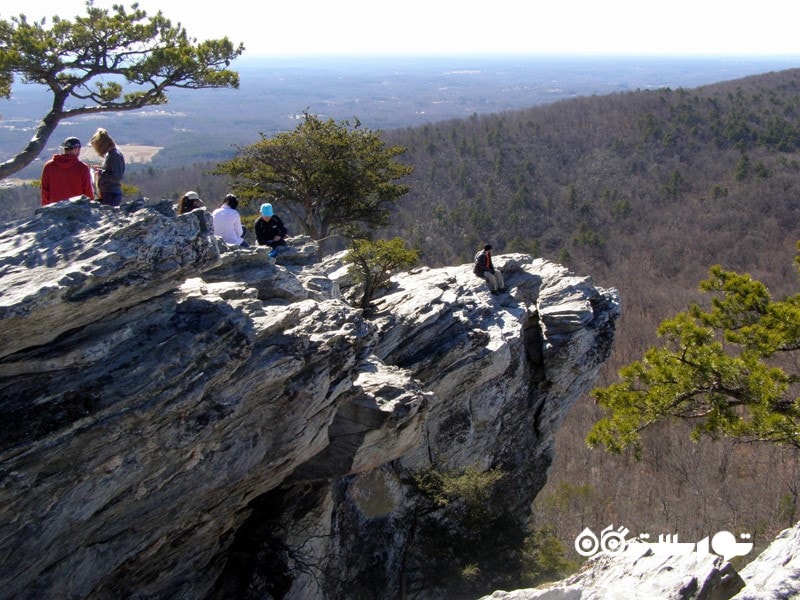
70, 143
487, 247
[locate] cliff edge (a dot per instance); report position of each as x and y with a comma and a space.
185, 420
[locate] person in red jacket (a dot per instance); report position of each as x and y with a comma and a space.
65, 176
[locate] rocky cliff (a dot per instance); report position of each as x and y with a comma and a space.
184, 420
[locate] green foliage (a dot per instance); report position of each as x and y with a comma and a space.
649, 126
466, 545
107, 60
525, 246
787, 510
674, 184
372, 263
331, 177
572, 196
621, 209
564, 257
718, 192
544, 559
130, 191
742, 170
587, 237
471, 572
731, 370
569, 497
472, 486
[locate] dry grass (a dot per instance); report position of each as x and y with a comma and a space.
132, 153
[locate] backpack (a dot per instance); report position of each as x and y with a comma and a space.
478, 267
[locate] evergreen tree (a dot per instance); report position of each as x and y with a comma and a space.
731, 370
331, 177
372, 264
105, 61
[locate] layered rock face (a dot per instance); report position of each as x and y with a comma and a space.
184, 420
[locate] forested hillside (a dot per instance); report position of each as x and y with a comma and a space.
599, 179
644, 191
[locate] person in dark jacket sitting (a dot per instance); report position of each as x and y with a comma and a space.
270, 230
484, 268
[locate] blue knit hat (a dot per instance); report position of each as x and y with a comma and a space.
266, 209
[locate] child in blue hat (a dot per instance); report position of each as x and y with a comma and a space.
270, 230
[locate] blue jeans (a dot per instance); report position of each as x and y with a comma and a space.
278, 250
111, 198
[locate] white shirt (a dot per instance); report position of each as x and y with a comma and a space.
228, 225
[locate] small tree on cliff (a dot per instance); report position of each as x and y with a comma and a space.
459, 539
372, 264
732, 370
331, 177
141, 57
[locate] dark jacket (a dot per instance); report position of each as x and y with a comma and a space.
267, 230
110, 179
483, 263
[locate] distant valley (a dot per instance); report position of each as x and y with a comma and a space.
381, 92
565, 160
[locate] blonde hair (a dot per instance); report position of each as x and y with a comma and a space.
102, 142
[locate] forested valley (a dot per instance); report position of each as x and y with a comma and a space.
643, 191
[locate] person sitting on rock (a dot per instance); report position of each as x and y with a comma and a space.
65, 175
484, 268
228, 222
189, 201
270, 230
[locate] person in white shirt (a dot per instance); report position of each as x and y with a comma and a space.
228, 222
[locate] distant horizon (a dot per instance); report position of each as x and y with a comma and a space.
422, 27
522, 54
321, 60
383, 91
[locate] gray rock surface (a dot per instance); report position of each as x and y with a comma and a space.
775, 573
640, 574
185, 420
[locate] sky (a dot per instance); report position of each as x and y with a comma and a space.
435, 27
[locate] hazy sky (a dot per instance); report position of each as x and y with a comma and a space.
302, 27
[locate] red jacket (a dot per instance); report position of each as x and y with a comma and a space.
65, 176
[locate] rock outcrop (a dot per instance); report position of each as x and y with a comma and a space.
775, 573
639, 573
185, 420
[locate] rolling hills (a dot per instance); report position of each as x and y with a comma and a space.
644, 187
